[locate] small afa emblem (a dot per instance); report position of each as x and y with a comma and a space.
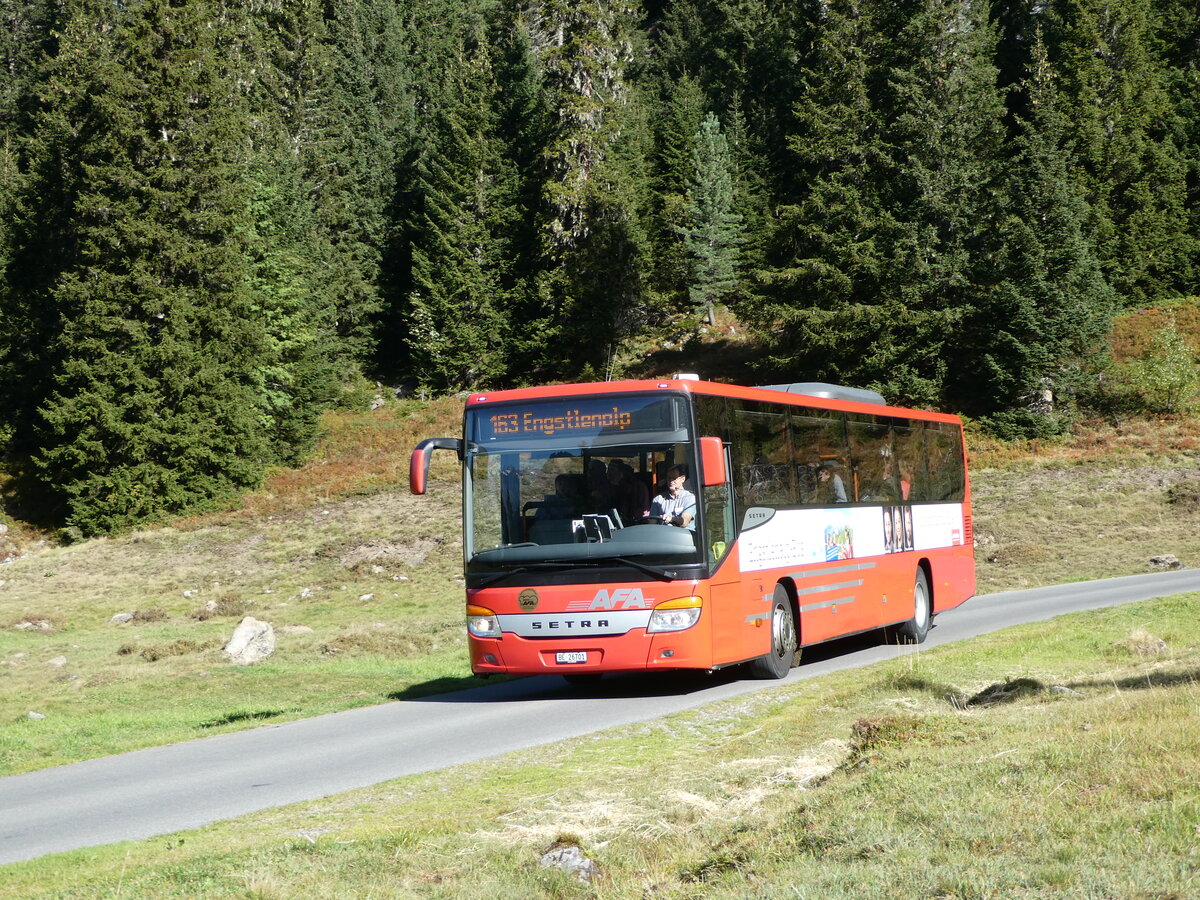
528, 600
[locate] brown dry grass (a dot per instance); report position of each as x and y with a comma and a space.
1133, 333
360, 453
370, 576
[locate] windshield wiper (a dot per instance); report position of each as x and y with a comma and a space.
529, 567
593, 562
661, 574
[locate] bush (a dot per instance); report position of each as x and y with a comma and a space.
1155, 361
1166, 378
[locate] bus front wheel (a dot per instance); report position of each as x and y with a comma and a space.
914, 630
778, 662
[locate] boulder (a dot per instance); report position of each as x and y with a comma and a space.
571, 860
252, 641
1166, 561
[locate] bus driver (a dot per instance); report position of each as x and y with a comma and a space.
676, 505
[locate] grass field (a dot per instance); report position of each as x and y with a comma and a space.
1046, 761
885, 778
362, 582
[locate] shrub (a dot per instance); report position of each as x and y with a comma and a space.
1166, 378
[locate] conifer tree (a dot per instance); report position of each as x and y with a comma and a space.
1020, 357
1111, 91
591, 283
524, 120
873, 263
26, 32
141, 366
748, 57
361, 117
457, 330
681, 117
277, 56
829, 251
1178, 33
713, 233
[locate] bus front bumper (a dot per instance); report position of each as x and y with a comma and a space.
636, 651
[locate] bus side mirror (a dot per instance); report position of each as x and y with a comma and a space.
712, 461
418, 466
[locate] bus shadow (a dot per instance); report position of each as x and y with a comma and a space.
555, 687
846, 646
474, 689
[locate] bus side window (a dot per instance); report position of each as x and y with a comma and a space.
870, 448
943, 444
908, 451
760, 444
818, 438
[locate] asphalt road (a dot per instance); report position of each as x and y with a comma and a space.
166, 789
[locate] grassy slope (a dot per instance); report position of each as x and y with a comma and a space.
329, 547
1077, 781
339, 547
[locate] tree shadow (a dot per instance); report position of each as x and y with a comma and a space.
738, 360
1143, 682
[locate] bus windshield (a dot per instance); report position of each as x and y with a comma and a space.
570, 483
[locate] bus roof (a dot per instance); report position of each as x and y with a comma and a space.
814, 394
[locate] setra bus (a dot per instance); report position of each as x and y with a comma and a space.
817, 512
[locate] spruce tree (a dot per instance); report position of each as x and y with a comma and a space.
524, 122
681, 115
1177, 27
143, 355
712, 234
276, 54
457, 330
873, 261
1111, 90
360, 119
26, 33
828, 257
590, 287
1021, 357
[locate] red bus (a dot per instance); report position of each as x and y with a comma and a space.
816, 511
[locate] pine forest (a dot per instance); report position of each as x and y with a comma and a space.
219, 219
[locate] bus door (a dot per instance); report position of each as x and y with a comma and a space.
731, 637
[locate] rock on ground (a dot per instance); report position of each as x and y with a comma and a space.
252, 641
570, 859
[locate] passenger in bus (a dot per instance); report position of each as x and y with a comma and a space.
676, 505
564, 503
600, 490
630, 496
831, 483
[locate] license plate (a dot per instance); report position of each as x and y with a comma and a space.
572, 656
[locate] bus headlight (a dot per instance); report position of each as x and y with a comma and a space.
675, 615
482, 622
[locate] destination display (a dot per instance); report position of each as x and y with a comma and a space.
582, 418
529, 422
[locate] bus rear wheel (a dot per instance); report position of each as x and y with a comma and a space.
915, 629
782, 656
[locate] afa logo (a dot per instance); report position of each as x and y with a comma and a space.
621, 598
